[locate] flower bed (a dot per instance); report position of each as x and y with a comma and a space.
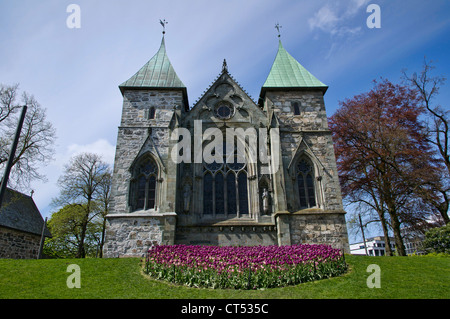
243, 267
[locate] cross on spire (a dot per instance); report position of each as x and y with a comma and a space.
278, 27
163, 23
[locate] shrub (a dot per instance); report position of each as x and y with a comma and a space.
243, 267
437, 240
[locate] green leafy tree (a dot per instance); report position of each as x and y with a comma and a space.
437, 240
66, 227
83, 183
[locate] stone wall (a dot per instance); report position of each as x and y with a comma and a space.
301, 135
312, 115
18, 245
236, 235
138, 135
133, 234
306, 134
313, 226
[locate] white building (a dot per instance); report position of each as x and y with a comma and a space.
375, 247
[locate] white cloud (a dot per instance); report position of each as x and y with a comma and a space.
334, 17
324, 19
101, 147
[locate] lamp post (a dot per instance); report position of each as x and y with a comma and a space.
362, 231
9, 164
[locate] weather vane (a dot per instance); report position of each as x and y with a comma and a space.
278, 26
163, 23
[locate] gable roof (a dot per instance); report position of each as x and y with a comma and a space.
19, 212
158, 72
286, 72
224, 78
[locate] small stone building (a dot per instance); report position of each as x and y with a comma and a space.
226, 170
20, 226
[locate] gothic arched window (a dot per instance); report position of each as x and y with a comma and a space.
305, 183
143, 185
225, 188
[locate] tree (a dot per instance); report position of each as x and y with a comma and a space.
437, 240
383, 155
35, 146
83, 183
437, 193
66, 225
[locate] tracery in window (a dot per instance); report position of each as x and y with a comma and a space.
143, 186
305, 183
225, 190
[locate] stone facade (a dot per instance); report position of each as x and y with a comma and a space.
21, 226
162, 194
17, 244
313, 226
133, 233
227, 235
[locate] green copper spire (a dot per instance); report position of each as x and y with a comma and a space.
158, 72
286, 72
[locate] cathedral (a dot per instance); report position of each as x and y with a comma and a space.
226, 170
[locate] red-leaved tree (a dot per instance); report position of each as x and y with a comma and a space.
383, 155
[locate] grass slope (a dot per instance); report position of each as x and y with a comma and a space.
401, 277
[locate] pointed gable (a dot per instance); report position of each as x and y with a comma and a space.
225, 89
158, 72
20, 212
286, 72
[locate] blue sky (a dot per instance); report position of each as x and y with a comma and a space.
75, 73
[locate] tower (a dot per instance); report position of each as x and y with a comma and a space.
307, 192
227, 171
143, 192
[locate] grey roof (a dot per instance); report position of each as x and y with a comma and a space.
19, 212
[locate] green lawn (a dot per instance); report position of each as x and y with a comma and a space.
401, 277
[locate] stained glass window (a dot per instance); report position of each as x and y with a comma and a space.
310, 189
243, 194
301, 190
141, 192
231, 194
143, 186
207, 194
151, 192
305, 184
225, 186
220, 193
224, 111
